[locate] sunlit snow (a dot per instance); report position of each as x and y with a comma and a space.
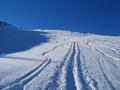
65, 61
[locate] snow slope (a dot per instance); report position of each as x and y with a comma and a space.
67, 61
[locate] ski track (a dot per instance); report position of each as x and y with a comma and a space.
72, 73
81, 84
44, 53
112, 64
53, 84
105, 54
62, 82
70, 82
113, 49
105, 76
19, 83
88, 83
76, 68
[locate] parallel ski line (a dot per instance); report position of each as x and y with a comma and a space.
105, 76
76, 69
88, 83
113, 58
22, 81
62, 82
113, 49
109, 61
83, 81
70, 82
53, 84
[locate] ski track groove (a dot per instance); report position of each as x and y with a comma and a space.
22, 81
70, 81
105, 76
62, 81
51, 49
113, 49
112, 64
76, 68
101, 62
111, 58
105, 54
53, 84
70, 74
88, 83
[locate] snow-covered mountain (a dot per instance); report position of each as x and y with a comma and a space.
64, 60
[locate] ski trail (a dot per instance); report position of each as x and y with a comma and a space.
44, 53
22, 81
76, 69
113, 49
53, 84
73, 76
80, 81
70, 75
105, 76
113, 58
109, 57
66, 73
112, 64
87, 82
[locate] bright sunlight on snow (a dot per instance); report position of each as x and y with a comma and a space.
60, 60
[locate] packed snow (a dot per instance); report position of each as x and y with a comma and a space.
67, 61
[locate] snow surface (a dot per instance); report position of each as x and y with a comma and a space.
67, 61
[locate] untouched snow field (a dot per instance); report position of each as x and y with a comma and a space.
68, 61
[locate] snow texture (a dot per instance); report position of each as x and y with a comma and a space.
64, 61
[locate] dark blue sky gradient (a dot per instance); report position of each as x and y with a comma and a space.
94, 16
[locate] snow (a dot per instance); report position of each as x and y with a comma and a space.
66, 61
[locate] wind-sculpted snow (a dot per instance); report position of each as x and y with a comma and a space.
67, 61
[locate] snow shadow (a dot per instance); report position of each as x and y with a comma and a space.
17, 40
21, 58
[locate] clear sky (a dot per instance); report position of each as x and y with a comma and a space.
94, 16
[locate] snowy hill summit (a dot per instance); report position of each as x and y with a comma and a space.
58, 60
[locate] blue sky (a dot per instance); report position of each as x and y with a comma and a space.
94, 16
